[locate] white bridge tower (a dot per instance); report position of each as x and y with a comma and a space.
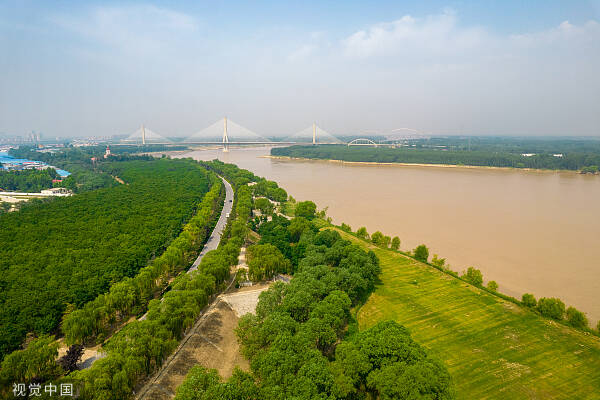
225, 137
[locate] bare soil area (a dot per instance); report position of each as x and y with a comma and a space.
211, 343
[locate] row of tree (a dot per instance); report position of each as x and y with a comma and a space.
61, 254
548, 307
299, 343
489, 158
141, 346
131, 295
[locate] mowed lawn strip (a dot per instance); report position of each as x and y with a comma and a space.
494, 349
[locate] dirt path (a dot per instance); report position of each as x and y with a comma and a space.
211, 343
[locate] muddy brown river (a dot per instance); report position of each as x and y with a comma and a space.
530, 231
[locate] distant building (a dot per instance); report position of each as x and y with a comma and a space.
59, 191
557, 155
528, 154
107, 153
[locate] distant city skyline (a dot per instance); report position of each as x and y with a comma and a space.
81, 68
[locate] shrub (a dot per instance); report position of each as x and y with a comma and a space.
473, 276
492, 285
396, 243
576, 318
421, 253
528, 300
551, 307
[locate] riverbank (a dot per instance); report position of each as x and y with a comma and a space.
460, 166
492, 347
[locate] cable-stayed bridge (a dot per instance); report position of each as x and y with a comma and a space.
226, 132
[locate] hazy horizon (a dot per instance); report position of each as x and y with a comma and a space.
444, 68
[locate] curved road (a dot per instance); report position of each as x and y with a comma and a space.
211, 244
215, 237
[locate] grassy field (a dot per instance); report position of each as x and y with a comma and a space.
494, 349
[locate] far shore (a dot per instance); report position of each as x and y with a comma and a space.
423, 164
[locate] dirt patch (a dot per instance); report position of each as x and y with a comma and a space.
211, 343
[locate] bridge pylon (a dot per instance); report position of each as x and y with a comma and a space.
225, 137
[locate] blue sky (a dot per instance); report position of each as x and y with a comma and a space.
457, 67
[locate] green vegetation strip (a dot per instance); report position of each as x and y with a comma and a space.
586, 162
494, 349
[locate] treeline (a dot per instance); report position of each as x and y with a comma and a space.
303, 343
569, 161
548, 307
61, 254
32, 180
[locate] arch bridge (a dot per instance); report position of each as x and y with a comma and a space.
362, 142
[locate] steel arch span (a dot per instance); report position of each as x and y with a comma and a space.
362, 142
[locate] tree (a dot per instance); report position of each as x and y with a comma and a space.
296, 227
421, 253
386, 241
362, 233
306, 209
69, 361
396, 243
492, 285
436, 260
265, 260
37, 362
576, 318
345, 227
529, 300
264, 205
377, 238
473, 276
551, 307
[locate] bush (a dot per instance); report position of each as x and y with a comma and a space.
552, 307
473, 276
576, 318
396, 243
421, 253
492, 285
528, 300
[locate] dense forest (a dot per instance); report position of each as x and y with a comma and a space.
27, 181
69, 250
586, 161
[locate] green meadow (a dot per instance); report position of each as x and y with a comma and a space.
494, 349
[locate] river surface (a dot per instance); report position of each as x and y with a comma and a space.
530, 231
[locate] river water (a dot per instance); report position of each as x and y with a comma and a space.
530, 231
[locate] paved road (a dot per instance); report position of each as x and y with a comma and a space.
215, 237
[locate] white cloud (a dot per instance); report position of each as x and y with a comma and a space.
435, 34
138, 28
